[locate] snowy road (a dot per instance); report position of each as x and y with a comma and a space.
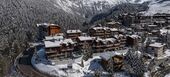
24, 65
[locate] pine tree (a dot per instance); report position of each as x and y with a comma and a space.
134, 63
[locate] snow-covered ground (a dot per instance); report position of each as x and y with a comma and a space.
91, 66
45, 66
165, 55
168, 75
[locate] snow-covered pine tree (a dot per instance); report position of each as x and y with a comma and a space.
134, 63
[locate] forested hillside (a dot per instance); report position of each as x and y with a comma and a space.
18, 19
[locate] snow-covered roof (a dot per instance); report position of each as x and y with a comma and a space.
73, 31
134, 36
49, 44
46, 24
66, 41
152, 25
96, 28
114, 29
54, 37
56, 43
105, 41
109, 54
110, 40
85, 38
158, 45
164, 31
117, 36
113, 22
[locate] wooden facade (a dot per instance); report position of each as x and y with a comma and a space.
133, 40
100, 31
156, 49
113, 24
73, 34
101, 45
116, 60
84, 41
56, 49
121, 39
53, 29
46, 29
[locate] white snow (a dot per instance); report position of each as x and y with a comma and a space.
70, 5
109, 54
48, 67
156, 7
134, 36
157, 45
97, 28
114, 29
147, 74
46, 24
45, 66
54, 38
138, 1
57, 43
168, 75
152, 25
165, 55
85, 38
164, 31
73, 31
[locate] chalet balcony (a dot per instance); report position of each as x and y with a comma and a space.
108, 33
99, 46
99, 50
110, 45
123, 39
73, 35
55, 55
50, 52
122, 45
123, 42
67, 49
100, 31
117, 44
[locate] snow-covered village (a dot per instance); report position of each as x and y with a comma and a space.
140, 49
84, 38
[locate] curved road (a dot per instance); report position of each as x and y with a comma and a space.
24, 66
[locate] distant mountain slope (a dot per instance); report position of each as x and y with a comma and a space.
158, 6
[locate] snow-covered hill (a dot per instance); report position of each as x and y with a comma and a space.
88, 8
158, 6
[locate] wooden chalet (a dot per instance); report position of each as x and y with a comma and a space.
83, 41
47, 29
121, 39
133, 40
112, 59
114, 31
113, 24
108, 44
73, 34
156, 49
62, 48
100, 31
